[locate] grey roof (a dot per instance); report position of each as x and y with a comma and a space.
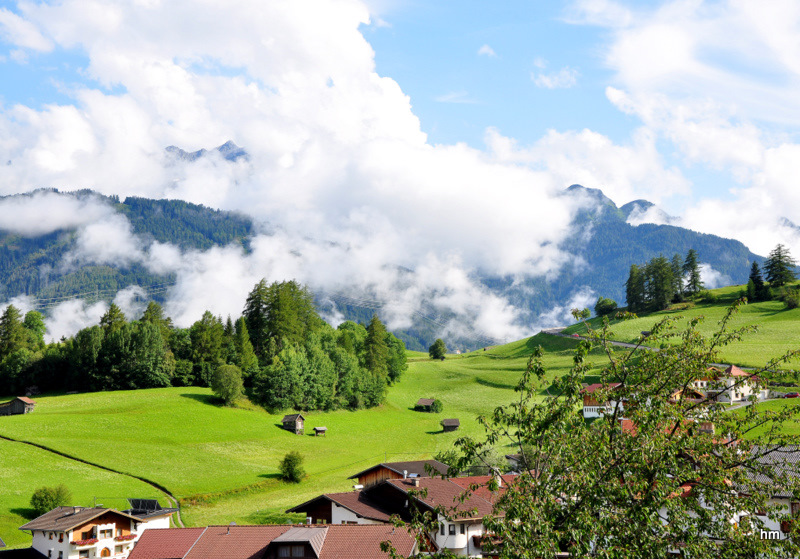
783, 460
425, 402
313, 536
147, 508
61, 519
451, 422
291, 417
2, 543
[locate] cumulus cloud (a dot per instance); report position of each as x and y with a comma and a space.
70, 316
561, 315
712, 278
728, 106
649, 214
565, 78
339, 166
486, 50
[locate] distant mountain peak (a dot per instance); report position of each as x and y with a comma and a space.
229, 151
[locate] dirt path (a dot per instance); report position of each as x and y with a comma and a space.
169, 496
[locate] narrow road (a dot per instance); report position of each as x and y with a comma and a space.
169, 496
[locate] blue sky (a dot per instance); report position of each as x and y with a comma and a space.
436, 136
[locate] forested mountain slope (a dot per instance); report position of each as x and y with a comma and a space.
604, 246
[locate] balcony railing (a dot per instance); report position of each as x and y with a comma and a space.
79, 543
125, 538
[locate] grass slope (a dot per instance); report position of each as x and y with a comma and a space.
778, 328
223, 462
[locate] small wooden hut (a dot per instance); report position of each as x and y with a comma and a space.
17, 406
320, 431
294, 422
450, 424
424, 404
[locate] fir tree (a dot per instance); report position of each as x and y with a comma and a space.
691, 270
780, 267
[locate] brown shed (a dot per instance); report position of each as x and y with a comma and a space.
320, 431
17, 406
294, 422
450, 424
424, 404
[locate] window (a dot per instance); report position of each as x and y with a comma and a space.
107, 533
442, 528
60, 555
51, 535
292, 551
119, 531
118, 550
462, 528
49, 552
83, 553
452, 530
795, 508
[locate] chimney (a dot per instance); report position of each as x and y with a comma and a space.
308, 520
405, 474
416, 482
498, 478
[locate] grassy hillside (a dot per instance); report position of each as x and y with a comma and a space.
223, 462
778, 328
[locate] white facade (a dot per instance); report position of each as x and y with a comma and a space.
599, 411
457, 536
342, 515
58, 545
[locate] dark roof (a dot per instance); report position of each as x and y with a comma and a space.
425, 402
251, 542
2, 543
291, 417
354, 501
414, 468
173, 543
61, 519
451, 422
147, 508
312, 536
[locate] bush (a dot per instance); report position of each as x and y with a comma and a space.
438, 349
46, 499
706, 296
437, 406
604, 306
292, 467
226, 382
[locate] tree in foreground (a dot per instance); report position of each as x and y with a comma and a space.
665, 470
292, 467
438, 349
779, 267
227, 384
46, 499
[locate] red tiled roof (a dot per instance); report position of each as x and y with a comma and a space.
251, 542
592, 388
172, 543
446, 493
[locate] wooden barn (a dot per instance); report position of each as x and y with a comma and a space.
17, 406
450, 424
424, 404
294, 422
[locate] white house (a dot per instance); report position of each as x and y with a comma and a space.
592, 407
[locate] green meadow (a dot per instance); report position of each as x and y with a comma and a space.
778, 328
222, 463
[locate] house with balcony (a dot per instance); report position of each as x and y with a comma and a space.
593, 405
90, 532
730, 385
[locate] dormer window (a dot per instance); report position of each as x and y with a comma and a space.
292, 551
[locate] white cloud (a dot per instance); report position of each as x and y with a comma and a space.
563, 79
22, 33
712, 278
46, 211
561, 315
486, 50
67, 318
651, 214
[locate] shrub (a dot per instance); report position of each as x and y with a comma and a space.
604, 306
437, 406
292, 467
46, 499
226, 382
438, 349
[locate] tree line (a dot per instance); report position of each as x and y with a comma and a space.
660, 282
284, 353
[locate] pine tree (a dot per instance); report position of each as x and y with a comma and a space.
634, 290
760, 290
677, 276
658, 283
12, 331
691, 270
376, 352
780, 267
113, 319
246, 357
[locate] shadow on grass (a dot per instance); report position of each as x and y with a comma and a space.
270, 476
439, 432
494, 384
26, 513
209, 399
